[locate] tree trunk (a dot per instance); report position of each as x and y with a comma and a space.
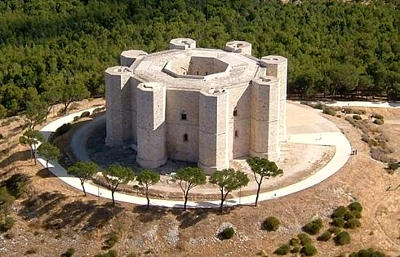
47, 164
221, 206
112, 196
258, 193
186, 198
148, 199
83, 188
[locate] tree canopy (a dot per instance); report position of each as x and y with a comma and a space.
116, 175
49, 152
187, 179
335, 48
83, 171
147, 178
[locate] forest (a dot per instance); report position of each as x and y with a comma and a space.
56, 51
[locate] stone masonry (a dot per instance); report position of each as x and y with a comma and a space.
206, 106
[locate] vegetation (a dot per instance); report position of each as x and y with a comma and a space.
228, 180
69, 253
304, 239
84, 171
308, 250
112, 239
283, 249
187, 179
62, 130
338, 222
271, 224
342, 238
61, 48
16, 185
352, 223
31, 138
49, 152
393, 166
110, 253
262, 168
370, 252
313, 227
227, 233
116, 175
355, 206
146, 178
325, 236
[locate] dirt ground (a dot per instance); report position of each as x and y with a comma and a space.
53, 217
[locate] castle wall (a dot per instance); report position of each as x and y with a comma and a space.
264, 140
151, 125
179, 102
213, 130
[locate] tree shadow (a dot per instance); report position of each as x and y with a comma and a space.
44, 173
151, 214
192, 217
40, 205
18, 156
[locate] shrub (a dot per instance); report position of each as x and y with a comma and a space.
111, 253
334, 230
393, 166
69, 252
227, 233
62, 130
379, 122
271, 224
355, 206
339, 212
356, 214
282, 250
377, 116
111, 240
313, 227
348, 215
7, 224
294, 242
304, 239
380, 155
30, 251
16, 184
342, 238
329, 110
325, 236
338, 222
357, 117
1, 136
367, 253
359, 112
352, 223
295, 249
308, 250
85, 114
76, 118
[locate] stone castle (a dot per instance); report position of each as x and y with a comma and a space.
207, 106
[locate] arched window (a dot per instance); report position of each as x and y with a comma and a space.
235, 112
185, 137
183, 115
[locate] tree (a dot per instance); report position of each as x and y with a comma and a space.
72, 92
116, 175
187, 179
32, 138
49, 152
262, 168
146, 178
83, 171
228, 180
3, 112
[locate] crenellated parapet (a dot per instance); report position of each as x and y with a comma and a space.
241, 47
182, 43
127, 58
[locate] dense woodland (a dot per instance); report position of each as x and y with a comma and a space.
56, 51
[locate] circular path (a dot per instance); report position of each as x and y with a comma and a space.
333, 138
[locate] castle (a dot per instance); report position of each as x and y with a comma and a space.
207, 106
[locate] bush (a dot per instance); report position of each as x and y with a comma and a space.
295, 249
339, 212
227, 233
393, 166
69, 252
355, 206
325, 236
294, 242
76, 118
1, 136
329, 110
30, 251
16, 184
111, 240
338, 222
62, 130
343, 238
352, 223
111, 253
271, 224
85, 114
359, 112
304, 239
367, 253
308, 250
377, 116
356, 214
379, 122
313, 227
357, 117
348, 215
334, 230
282, 250
7, 224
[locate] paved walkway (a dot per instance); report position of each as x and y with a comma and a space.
336, 139
366, 104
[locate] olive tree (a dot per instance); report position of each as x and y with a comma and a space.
147, 178
116, 175
31, 138
262, 168
49, 152
188, 178
228, 180
84, 171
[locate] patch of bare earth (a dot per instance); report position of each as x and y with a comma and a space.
53, 217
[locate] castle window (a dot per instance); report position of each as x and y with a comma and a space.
183, 116
236, 133
185, 137
235, 113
